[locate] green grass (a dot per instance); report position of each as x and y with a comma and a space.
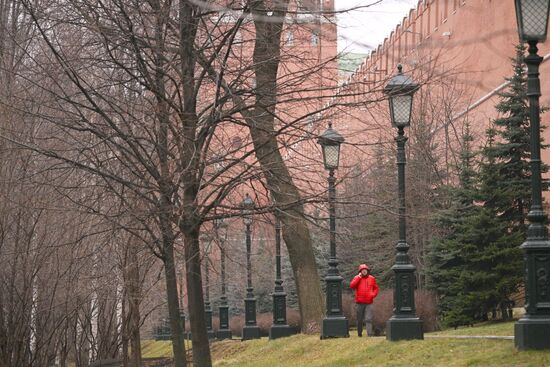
159, 348
309, 351
156, 348
305, 350
490, 328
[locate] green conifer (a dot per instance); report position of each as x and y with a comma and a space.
477, 266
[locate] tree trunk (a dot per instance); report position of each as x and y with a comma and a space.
133, 291
134, 323
189, 14
173, 305
125, 326
262, 129
201, 348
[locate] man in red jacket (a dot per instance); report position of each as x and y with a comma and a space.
366, 290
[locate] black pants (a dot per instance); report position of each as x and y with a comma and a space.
364, 314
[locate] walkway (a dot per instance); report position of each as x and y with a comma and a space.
469, 337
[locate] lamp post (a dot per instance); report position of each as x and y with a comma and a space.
279, 328
207, 307
403, 324
532, 330
250, 329
335, 323
223, 332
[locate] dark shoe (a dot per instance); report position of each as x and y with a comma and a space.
359, 335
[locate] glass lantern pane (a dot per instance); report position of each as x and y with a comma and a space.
401, 109
534, 15
332, 153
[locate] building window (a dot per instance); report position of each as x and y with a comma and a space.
290, 38
428, 15
238, 37
236, 142
310, 124
436, 15
421, 28
308, 5
399, 49
315, 37
405, 43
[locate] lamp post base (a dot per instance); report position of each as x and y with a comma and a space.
531, 333
280, 331
404, 329
208, 314
251, 332
334, 327
224, 334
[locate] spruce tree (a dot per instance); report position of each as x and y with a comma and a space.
472, 266
510, 151
448, 259
477, 266
506, 180
501, 255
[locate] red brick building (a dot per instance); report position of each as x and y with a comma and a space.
460, 51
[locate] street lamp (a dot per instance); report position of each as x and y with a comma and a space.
533, 329
207, 307
250, 329
280, 328
404, 324
335, 323
223, 332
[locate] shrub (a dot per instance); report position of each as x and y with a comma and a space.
236, 324
264, 322
383, 310
293, 319
348, 308
426, 309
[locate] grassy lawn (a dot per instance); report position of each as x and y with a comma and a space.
309, 351
498, 328
159, 348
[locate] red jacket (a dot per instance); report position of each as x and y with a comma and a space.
366, 288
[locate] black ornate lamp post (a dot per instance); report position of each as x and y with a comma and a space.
250, 329
279, 328
223, 332
403, 324
207, 307
532, 331
334, 324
